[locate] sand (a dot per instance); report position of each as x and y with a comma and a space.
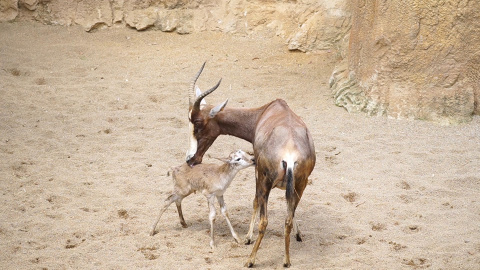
91, 122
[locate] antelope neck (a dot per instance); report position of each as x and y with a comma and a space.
239, 122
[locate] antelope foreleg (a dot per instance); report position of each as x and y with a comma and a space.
262, 200
248, 238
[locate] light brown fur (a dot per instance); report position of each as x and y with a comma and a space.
212, 181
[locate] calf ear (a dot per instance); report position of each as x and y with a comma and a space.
217, 109
226, 160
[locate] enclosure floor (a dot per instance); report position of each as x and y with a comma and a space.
90, 123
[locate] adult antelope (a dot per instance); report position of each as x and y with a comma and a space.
283, 150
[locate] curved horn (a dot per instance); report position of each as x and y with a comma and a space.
191, 89
196, 105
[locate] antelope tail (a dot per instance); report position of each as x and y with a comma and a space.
288, 165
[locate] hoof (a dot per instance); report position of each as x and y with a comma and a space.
212, 244
299, 238
287, 265
249, 264
248, 241
184, 225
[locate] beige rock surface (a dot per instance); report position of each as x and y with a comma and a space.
8, 10
295, 21
412, 59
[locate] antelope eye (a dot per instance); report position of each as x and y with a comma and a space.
238, 159
198, 125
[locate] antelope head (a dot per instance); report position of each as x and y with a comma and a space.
202, 127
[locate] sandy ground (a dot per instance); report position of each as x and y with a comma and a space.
91, 122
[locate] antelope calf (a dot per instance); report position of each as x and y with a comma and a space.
210, 179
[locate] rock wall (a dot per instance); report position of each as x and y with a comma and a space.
417, 59
414, 59
306, 25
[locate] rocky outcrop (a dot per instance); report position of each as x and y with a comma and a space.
412, 59
8, 10
324, 29
306, 25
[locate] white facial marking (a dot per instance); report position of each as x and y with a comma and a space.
192, 148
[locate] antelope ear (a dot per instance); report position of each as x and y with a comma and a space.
226, 160
217, 109
198, 92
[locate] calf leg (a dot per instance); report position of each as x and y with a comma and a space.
172, 198
225, 214
180, 213
213, 213
179, 209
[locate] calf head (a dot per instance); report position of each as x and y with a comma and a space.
241, 159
